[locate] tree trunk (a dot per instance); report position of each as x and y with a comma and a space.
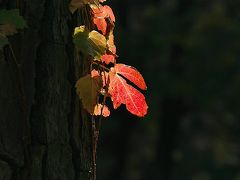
44, 134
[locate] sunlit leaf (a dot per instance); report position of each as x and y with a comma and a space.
131, 74
100, 15
92, 43
87, 90
123, 93
108, 13
110, 43
98, 41
108, 58
94, 73
101, 110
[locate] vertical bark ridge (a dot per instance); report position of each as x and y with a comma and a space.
53, 94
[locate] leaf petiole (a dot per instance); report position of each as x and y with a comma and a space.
102, 66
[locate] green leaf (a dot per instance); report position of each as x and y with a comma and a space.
3, 41
80, 38
92, 43
12, 17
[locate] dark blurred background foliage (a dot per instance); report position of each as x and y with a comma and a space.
188, 52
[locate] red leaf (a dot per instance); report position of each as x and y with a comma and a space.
94, 73
100, 15
108, 58
99, 18
109, 13
101, 24
131, 74
123, 93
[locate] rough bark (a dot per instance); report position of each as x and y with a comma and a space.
44, 134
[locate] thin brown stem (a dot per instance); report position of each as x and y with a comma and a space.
102, 66
94, 145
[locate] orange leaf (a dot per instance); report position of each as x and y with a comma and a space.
108, 58
110, 43
101, 110
100, 15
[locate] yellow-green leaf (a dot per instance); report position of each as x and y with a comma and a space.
92, 43
87, 90
98, 41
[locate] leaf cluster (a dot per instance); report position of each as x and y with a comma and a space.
107, 78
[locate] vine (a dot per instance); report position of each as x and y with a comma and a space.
107, 78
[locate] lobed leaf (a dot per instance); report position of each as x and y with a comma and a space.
100, 15
131, 74
123, 93
108, 58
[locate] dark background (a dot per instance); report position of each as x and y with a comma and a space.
188, 51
